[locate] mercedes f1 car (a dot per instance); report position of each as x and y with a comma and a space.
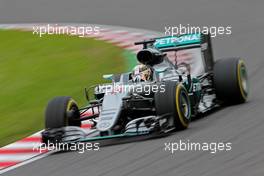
184, 81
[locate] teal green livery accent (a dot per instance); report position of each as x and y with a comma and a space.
175, 41
128, 134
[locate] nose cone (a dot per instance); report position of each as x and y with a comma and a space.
111, 109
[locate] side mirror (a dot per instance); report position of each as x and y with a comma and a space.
108, 77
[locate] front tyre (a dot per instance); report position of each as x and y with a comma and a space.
174, 101
60, 112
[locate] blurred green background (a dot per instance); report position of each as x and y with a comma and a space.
33, 70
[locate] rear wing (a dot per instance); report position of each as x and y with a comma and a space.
188, 41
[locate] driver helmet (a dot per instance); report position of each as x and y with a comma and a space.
141, 73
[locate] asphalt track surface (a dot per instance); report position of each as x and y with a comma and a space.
242, 124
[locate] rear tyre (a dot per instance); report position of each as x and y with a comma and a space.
230, 80
60, 112
174, 101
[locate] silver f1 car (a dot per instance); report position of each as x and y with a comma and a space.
183, 81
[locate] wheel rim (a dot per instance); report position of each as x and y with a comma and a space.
185, 105
72, 109
243, 80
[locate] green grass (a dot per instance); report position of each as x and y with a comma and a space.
33, 70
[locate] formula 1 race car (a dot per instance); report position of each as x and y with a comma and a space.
177, 80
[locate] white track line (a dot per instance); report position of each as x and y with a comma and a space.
26, 162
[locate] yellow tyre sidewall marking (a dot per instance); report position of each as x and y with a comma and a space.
181, 116
69, 105
240, 64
